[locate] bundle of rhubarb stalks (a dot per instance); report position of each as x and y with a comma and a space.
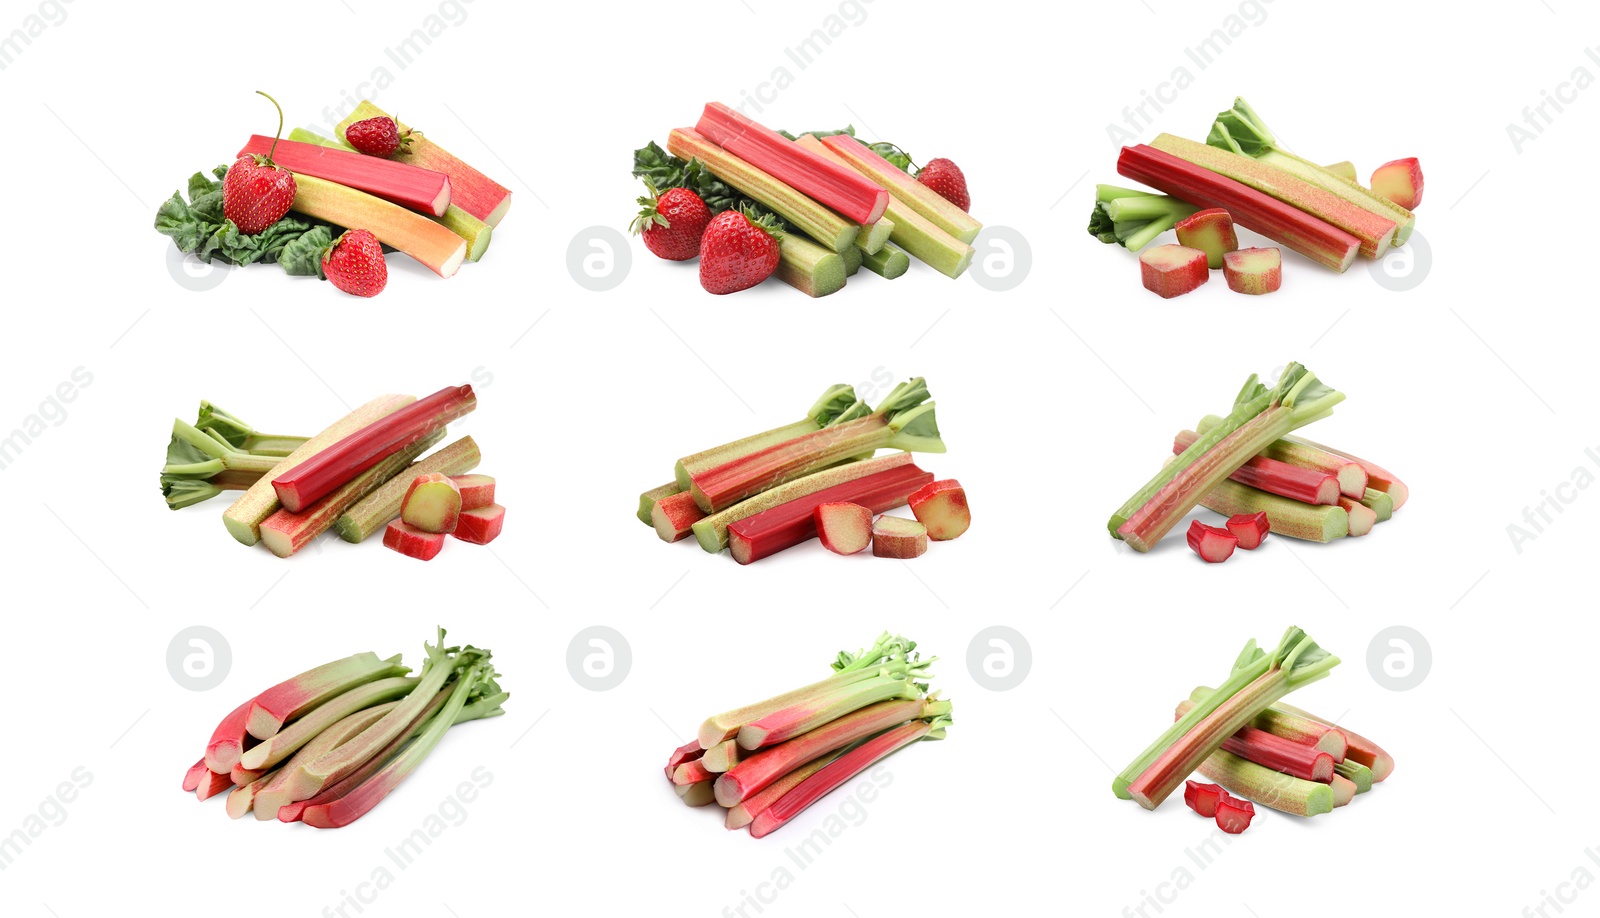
1249, 467
369, 471
328, 207
765, 763
813, 208
1242, 175
1259, 750
327, 746
817, 477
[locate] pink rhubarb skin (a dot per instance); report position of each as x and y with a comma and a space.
1279, 754
898, 538
288, 700
228, 741
674, 517
836, 187
727, 484
1378, 478
789, 524
836, 773
798, 719
191, 778
941, 507
212, 784
1210, 231
1250, 529
1212, 544
481, 526
1309, 486
1316, 239
688, 752
412, 542
1172, 270
762, 768
742, 814
1202, 798
1360, 750
319, 475
1233, 814
1253, 271
422, 190
477, 491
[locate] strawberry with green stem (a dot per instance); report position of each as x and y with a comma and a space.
672, 223
355, 263
947, 180
257, 192
737, 253
379, 136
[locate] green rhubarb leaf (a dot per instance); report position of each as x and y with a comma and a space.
1241, 130
1101, 226
199, 227
302, 256
838, 399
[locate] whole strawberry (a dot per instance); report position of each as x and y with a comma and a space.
672, 224
945, 177
736, 254
379, 136
355, 263
257, 192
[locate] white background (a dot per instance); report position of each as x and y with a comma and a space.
1056, 398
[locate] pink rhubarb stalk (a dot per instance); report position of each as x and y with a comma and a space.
794, 720
789, 524
1309, 486
271, 709
1378, 478
743, 813
228, 741
1361, 750
396, 182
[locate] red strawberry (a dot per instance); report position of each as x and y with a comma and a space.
355, 263
379, 136
736, 254
945, 177
257, 192
672, 223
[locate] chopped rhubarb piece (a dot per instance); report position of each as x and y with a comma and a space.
941, 507
795, 521
1278, 753
398, 182
1202, 798
1275, 789
1362, 517
1289, 517
1305, 485
1172, 270
1253, 271
713, 532
375, 510
674, 517
320, 475
477, 491
1303, 730
898, 537
1399, 181
1373, 475
432, 503
481, 526
1234, 815
844, 527
647, 501
1210, 231
1249, 528
271, 709
1286, 224
688, 752
1361, 749
1213, 545
411, 541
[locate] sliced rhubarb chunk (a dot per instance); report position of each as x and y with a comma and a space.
1213, 545
713, 532
1253, 271
1202, 798
941, 507
795, 521
1234, 815
432, 503
1399, 181
481, 526
1210, 231
1250, 529
374, 511
898, 537
477, 491
411, 541
397, 182
844, 527
1172, 270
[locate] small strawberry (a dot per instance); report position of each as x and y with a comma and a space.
672, 223
379, 136
355, 263
945, 177
737, 253
257, 192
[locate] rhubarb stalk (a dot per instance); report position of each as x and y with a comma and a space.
712, 531
1262, 785
271, 709
377, 509
837, 403
476, 193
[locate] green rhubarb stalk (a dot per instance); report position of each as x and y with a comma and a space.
1258, 680
199, 454
240, 435
712, 531
875, 236
1356, 773
274, 749
1303, 730
1268, 787
1260, 416
888, 262
790, 722
1287, 516
1378, 502
852, 260
647, 501
1132, 218
374, 511
837, 403
275, 795
1241, 130
812, 269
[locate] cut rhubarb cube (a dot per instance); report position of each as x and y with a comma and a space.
1249, 528
411, 541
1172, 270
480, 526
1203, 798
477, 491
844, 527
1210, 231
1233, 814
432, 503
1210, 543
1253, 271
1399, 181
941, 507
898, 537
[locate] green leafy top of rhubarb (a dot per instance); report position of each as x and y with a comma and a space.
1241, 130
911, 417
835, 401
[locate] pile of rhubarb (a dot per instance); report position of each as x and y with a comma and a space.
1252, 469
1258, 749
765, 763
812, 208
327, 746
1242, 175
817, 477
369, 470
327, 207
